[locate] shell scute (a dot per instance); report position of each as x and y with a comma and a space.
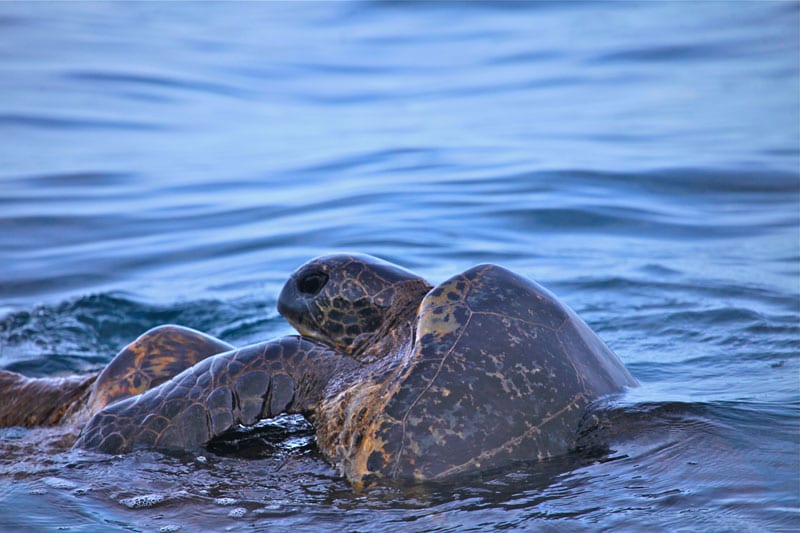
495, 289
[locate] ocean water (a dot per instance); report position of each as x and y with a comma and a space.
173, 163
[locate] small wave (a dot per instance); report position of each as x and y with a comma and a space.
74, 123
59, 483
678, 288
84, 333
70, 180
689, 182
158, 82
674, 52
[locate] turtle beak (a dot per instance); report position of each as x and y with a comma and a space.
290, 303
297, 308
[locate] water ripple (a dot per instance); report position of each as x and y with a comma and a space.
84, 334
172, 163
50, 122
157, 82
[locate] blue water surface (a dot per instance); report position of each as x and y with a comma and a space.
174, 162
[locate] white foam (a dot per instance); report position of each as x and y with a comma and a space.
237, 512
225, 501
143, 501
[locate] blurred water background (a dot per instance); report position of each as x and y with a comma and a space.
175, 162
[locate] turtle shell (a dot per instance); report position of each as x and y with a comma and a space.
500, 370
155, 357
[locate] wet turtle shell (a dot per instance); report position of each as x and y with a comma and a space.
499, 370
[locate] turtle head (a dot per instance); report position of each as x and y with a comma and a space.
351, 302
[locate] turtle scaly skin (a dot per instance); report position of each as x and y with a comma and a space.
216, 395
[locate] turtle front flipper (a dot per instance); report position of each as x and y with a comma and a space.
288, 375
155, 357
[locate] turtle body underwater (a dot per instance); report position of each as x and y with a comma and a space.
401, 379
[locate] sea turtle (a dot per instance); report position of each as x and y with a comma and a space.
400, 379
153, 358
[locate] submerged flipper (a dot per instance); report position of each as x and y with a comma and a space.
288, 375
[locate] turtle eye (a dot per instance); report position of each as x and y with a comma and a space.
312, 283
